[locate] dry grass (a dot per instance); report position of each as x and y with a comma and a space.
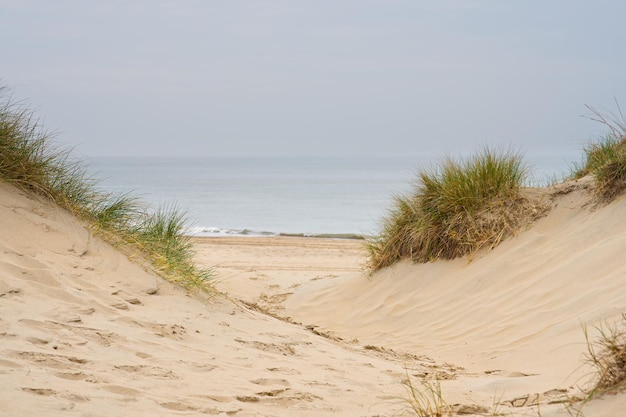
426, 399
608, 357
456, 209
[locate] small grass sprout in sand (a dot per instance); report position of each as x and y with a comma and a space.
456, 209
606, 159
608, 356
30, 160
426, 400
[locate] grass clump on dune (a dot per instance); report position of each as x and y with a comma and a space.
161, 235
456, 208
606, 159
30, 160
608, 356
427, 400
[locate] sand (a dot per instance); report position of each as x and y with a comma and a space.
304, 330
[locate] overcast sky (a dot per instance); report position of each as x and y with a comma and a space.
337, 78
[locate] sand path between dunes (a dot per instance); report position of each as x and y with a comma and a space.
506, 327
267, 270
84, 331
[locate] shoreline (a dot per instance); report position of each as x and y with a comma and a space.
218, 233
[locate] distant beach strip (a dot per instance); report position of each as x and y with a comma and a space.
217, 232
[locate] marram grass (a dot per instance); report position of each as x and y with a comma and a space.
30, 160
608, 356
456, 209
606, 159
427, 400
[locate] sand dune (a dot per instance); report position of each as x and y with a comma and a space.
512, 318
85, 331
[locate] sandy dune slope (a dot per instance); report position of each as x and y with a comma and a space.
509, 323
86, 332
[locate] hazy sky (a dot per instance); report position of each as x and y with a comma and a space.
289, 77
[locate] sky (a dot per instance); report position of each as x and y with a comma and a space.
320, 78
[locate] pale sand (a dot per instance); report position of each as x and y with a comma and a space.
86, 332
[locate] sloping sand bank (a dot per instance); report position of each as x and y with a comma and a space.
86, 332
508, 325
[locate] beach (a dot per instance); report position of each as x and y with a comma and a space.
267, 270
300, 327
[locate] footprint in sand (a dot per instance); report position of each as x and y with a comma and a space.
77, 376
172, 331
283, 395
49, 360
128, 298
285, 349
147, 370
37, 340
120, 306
46, 392
178, 406
76, 398
121, 390
6, 291
101, 337
285, 371
271, 381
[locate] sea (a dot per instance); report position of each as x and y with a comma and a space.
301, 196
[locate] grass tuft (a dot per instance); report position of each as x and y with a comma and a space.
161, 235
30, 160
608, 357
606, 159
427, 400
456, 208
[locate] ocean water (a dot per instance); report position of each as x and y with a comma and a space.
267, 196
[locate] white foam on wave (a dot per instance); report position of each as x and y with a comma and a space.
217, 231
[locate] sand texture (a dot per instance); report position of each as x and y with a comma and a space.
304, 331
